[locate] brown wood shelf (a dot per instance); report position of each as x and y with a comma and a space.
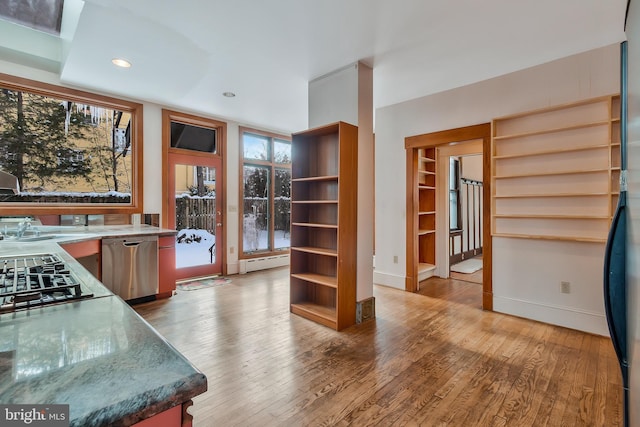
426, 212
314, 202
546, 152
425, 187
426, 172
541, 216
314, 225
561, 238
562, 195
424, 232
427, 159
316, 312
314, 250
318, 279
423, 267
316, 178
552, 130
554, 173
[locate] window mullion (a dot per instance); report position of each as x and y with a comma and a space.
272, 207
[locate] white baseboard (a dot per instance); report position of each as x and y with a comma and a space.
567, 317
255, 264
233, 268
391, 280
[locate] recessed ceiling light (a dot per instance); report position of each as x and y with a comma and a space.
229, 94
121, 62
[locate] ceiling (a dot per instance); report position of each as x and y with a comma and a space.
186, 54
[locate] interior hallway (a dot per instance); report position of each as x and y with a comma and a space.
423, 361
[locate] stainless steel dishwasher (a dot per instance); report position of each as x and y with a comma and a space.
130, 266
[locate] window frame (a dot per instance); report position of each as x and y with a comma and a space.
135, 109
272, 165
454, 189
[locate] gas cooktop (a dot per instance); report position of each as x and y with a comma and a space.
30, 281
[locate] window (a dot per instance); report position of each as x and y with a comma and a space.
455, 220
266, 192
68, 149
195, 138
208, 175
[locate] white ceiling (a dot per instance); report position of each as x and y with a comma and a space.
186, 54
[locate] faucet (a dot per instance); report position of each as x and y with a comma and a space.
23, 226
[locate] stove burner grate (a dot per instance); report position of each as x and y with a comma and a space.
36, 280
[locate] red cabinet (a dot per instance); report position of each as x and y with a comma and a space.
86, 253
166, 266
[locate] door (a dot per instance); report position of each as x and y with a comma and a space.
195, 211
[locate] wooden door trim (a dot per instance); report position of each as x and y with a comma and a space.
434, 139
167, 117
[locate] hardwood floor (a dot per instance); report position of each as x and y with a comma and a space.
475, 277
422, 361
451, 290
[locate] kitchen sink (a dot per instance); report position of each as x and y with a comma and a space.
44, 236
35, 238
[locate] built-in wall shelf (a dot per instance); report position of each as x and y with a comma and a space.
555, 171
424, 211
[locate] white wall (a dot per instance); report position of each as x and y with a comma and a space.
581, 76
471, 167
334, 97
347, 95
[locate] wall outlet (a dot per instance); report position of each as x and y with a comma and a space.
565, 287
395, 259
231, 249
79, 220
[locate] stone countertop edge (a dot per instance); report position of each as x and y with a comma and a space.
153, 401
92, 232
187, 383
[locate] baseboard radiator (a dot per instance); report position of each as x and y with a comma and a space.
255, 264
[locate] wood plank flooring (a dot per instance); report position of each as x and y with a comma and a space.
423, 361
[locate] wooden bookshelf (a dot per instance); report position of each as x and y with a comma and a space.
426, 211
323, 224
554, 171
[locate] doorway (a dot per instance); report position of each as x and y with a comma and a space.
465, 241
194, 192
196, 214
446, 143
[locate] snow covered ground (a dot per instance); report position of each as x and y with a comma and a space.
190, 252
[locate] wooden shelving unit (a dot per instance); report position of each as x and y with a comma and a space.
426, 211
555, 171
323, 224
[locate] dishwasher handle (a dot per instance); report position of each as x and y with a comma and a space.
130, 244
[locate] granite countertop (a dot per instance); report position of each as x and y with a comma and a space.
97, 355
71, 234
